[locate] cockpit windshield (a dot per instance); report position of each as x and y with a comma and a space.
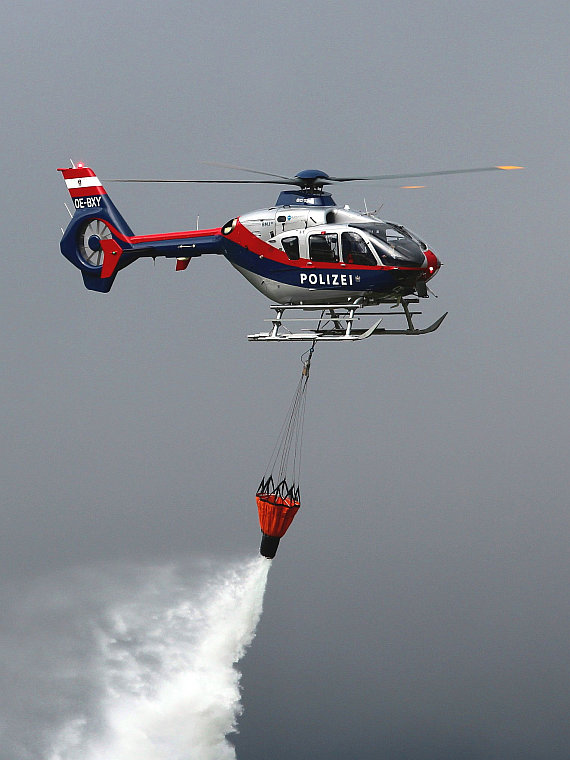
393, 243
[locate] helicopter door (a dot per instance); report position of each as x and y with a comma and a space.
324, 247
355, 250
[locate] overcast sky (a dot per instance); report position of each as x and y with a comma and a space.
419, 606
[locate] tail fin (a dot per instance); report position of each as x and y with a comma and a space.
97, 235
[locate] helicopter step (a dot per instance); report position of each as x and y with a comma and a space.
337, 323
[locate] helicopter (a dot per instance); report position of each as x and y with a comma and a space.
324, 264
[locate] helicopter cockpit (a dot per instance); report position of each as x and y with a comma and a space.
395, 245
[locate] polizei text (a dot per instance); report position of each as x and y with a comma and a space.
331, 278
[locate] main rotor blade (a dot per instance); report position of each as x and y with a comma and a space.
424, 174
321, 181
207, 181
245, 169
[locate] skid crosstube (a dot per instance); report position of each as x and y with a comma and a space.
336, 323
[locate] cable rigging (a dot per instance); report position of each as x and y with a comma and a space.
278, 495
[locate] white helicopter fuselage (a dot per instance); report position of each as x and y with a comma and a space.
328, 254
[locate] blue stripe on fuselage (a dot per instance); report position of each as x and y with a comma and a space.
377, 280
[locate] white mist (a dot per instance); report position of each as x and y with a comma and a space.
164, 669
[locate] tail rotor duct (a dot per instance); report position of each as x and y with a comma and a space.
89, 242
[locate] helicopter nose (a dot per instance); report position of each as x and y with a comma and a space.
433, 263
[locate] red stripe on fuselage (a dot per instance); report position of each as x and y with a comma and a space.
188, 234
246, 239
135, 239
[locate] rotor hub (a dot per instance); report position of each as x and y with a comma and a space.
94, 242
312, 179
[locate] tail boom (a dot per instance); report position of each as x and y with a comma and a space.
99, 242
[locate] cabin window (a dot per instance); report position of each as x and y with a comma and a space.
291, 247
355, 250
324, 247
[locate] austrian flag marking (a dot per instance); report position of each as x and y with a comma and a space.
82, 183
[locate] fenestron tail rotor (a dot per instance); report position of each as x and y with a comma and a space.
89, 239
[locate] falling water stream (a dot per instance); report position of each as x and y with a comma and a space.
142, 669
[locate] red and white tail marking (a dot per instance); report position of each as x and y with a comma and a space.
82, 182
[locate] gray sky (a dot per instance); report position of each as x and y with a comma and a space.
419, 605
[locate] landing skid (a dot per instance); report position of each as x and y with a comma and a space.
338, 322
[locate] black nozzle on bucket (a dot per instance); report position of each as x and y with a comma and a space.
268, 546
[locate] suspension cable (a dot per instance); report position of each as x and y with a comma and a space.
284, 468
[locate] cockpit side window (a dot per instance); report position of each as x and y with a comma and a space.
324, 247
291, 247
355, 250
